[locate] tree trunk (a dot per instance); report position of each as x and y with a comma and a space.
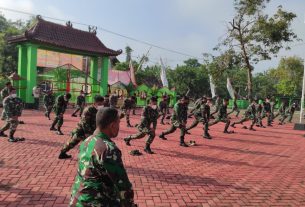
249, 84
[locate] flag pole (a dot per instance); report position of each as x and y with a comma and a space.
303, 93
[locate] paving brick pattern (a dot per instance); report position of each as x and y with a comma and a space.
262, 168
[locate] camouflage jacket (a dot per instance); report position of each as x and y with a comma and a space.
101, 179
113, 100
258, 109
81, 100
149, 116
180, 113
250, 111
106, 102
60, 105
5, 92
163, 105
88, 121
235, 105
222, 113
12, 106
49, 100
267, 107
290, 110
128, 104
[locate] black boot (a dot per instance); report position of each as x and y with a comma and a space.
64, 155
182, 143
207, 136
59, 132
233, 125
2, 134
127, 141
147, 149
73, 115
162, 137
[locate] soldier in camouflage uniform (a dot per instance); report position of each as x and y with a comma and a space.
281, 111
290, 111
85, 127
272, 105
235, 108
250, 114
80, 104
149, 117
13, 108
259, 113
267, 111
106, 101
201, 112
59, 109
222, 116
163, 108
126, 108
49, 100
113, 101
179, 120
101, 178
4, 93
134, 104
217, 105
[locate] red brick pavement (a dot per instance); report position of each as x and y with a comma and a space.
262, 168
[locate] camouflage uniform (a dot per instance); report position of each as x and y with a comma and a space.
259, 113
163, 106
201, 112
59, 109
80, 104
4, 93
13, 109
222, 117
48, 100
281, 111
106, 101
85, 127
149, 117
235, 108
272, 106
267, 113
113, 101
250, 114
126, 108
179, 119
101, 179
217, 106
289, 111
134, 106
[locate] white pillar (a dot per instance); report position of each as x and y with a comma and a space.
302, 98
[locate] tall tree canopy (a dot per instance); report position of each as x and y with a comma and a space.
257, 36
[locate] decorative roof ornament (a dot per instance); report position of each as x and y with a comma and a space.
92, 29
69, 24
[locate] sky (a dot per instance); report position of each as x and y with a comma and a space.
192, 27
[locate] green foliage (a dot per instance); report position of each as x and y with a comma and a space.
289, 74
149, 76
257, 36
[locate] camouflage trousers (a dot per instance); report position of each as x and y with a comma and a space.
59, 120
224, 120
173, 128
269, 117
259, 121
11, 124
290, 116
142, 133
126, 113
198, 120
78, 135
246, 118
163, 115
234, 110
79, 109
48, 109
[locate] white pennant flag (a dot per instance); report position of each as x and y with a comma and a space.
212, 86
231, 89
163, 74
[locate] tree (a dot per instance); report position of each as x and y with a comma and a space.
289, 74
192, 62
257, 36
